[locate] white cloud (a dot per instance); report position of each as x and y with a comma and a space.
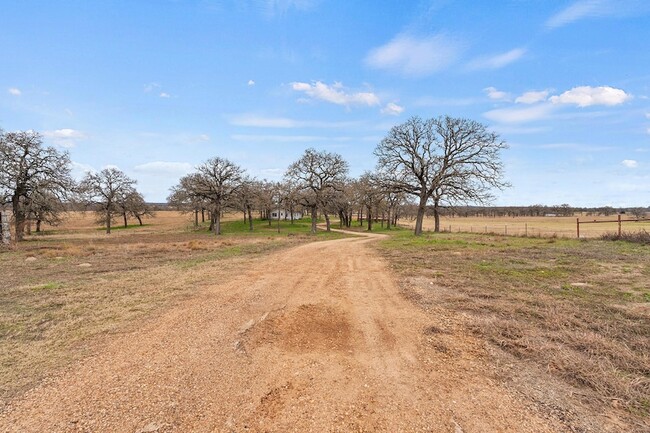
519, 115
495, 94
151, 87
164, 95
163, 168
203, 137
251, 83
65, 137
392, 109
14, 91
257, 121
335, 94
272, 8
497, 61
264, 122
277, 138
413, 56
532, 97
630, 163
582, 9
585, 96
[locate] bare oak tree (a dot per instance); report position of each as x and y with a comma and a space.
317, 175
215, 183
30, 171
442, 160
105, 191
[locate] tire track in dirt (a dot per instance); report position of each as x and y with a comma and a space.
316, 338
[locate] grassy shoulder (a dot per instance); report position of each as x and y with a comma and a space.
579, 310
62, 293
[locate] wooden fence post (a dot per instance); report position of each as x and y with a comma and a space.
578, 227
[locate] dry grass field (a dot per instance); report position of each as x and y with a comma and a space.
65, 290
563, 227
562, 324
565, 322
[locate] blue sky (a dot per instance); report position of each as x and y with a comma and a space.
156, 87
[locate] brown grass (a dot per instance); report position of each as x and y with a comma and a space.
562, 227
577, 311
64, 291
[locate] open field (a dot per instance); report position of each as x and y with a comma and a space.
164, 328
565, 322
64, 290
564, 227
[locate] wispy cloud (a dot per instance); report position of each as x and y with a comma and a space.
14, 91
163, 168
532, 97
272, 8
585, 96
495, 94
630, 163
277, 138
583, 9
251, 83
519, 115
496, 61
257, 121
413, 56
150, 87
335, 94
65, 137
165, 95
392, 109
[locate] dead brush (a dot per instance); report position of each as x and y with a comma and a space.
638, 237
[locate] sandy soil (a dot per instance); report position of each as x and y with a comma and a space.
317, 338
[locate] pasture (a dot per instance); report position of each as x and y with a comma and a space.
563, 227
562, 324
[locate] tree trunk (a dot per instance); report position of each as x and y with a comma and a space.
202, 216
388, 219
291, 209
139, 219
420, 216
217, 220
38, 226
250, 219
19, 218
313, 219
327, 221
436, 216
196, 217
369, 218
244, 216
108, 222
125, 222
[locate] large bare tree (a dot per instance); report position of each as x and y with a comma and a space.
443, 160
215, 183
318, 174
105, 191
29, 171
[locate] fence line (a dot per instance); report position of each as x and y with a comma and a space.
618, 220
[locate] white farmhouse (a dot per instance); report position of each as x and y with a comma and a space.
285, 214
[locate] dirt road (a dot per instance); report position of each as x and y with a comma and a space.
316, 338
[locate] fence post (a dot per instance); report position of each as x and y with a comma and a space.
619, 225
578, 228
526, 229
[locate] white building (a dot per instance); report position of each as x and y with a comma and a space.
285, 214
